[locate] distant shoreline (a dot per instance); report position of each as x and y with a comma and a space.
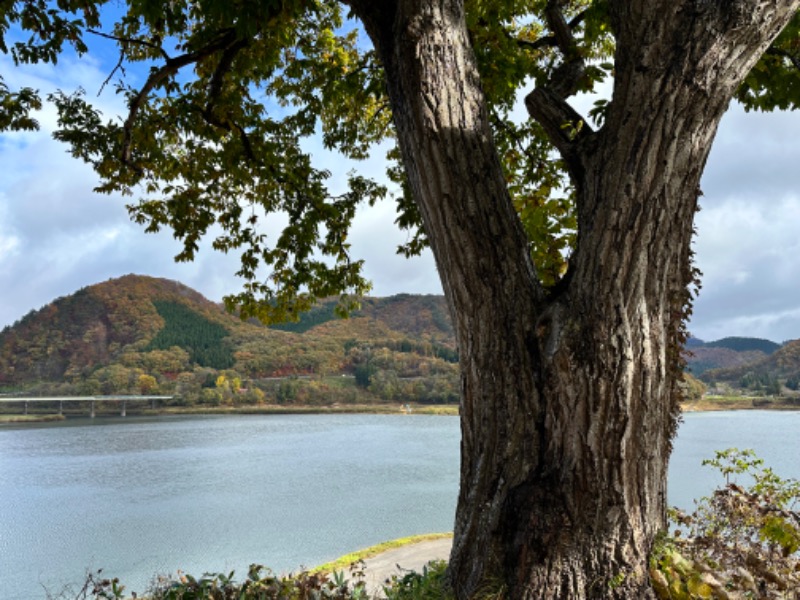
16, 419
706, 404
265, 409
718, 403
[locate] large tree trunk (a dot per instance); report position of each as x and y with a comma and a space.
568, 400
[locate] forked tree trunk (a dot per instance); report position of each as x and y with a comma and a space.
568, 400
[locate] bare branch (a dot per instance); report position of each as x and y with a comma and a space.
132, 41
124, 41
117, 67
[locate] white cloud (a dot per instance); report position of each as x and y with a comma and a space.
748, 244
8, 245
56, 235
754, 156
375, 238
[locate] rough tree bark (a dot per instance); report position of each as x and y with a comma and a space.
568, 397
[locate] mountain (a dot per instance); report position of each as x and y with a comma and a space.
426, 316
727, 352
138, 334
782, 365
94, 326
705, 358
142, 334
744, 344
693, 342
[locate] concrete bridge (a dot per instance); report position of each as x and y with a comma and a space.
123, 400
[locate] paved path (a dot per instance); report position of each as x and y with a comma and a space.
407, 558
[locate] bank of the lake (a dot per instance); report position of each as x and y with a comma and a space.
726, 403
248, 409
30, 418
346, 560
704, 404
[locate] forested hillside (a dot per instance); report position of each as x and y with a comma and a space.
72, 336
726, 353
771, 373
737, 366
745, 344
139, 334
204, 340
413, 315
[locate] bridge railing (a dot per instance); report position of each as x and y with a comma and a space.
123, 399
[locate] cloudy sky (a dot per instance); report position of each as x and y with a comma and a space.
57, 236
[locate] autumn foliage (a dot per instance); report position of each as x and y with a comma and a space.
141, 335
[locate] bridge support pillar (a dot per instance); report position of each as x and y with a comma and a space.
26, 407
61, 408
123, 409
91, 414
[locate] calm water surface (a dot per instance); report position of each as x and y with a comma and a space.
139, 497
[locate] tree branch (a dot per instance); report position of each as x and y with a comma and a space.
172, 66
224, 65
547, 103
565, 79
132, 41
118, 67
214, 91
377, 17
558, 25
565, 127
549, 41
578, 19
785, 54
123, 41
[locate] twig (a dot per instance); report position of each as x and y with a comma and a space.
133, 41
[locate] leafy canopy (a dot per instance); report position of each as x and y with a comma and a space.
214, 138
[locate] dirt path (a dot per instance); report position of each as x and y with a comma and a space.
397, 561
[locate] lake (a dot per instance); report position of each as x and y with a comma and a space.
143, 496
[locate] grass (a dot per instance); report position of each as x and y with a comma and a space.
252, 409
343, 562
710, 403
281, 409
707, 403
29, 418
436, 409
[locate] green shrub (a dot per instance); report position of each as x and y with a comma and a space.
743, 541
261, 584
431, 584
